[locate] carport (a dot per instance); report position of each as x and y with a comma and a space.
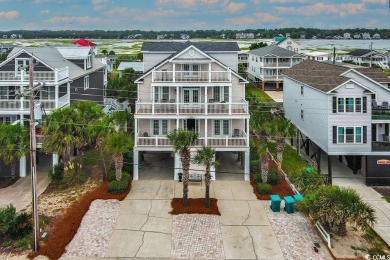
156, 166
230, 167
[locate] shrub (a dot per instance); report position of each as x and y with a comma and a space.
14, 225
24, 242
264, 188
121, 186
254, 165
57, 173
128, 161
257, 178
111, 175
7, 216
273, 177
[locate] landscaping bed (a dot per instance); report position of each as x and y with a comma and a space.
195, 206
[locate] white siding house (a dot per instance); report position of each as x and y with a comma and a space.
195, 86
342, 112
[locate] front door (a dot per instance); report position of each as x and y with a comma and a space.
191, 124
191, 97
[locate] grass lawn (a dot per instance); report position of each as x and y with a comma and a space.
387, 72
251, 89
292, 161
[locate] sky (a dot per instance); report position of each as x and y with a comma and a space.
191, 14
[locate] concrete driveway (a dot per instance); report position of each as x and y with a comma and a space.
145, 228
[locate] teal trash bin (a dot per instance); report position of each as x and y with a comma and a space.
309, 169
298, 197
289, 204
275, 203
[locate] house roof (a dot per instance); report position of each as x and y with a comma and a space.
275, 51
136, 65
179, 46
364, 53
53, 58
325, 77
84, 43
317, 53
74, 53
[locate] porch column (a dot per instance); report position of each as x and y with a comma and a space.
136, 132
177, 101
135, 163
22, 160
230, 100
177, 124
247, 132
205, 101
212, 171
56, 95
209, 72
262, 85
174, 72
205, 132
177, 168
277, 84
153, 89
329, 180
246, 168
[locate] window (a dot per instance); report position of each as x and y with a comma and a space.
349, 135
190, 69
161, 93
86, 82
48, 92
302, 90
351, 105
89, 61
302, 114
221, 127
20, 64
4, 92
219, 92
160, 127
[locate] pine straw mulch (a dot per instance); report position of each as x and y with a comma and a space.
66, 226
195, 206
282, 188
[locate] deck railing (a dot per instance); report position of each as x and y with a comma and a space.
191, 76
46, 76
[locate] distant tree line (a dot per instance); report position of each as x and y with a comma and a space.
228, 34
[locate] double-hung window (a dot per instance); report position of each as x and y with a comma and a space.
221, 127
160, 127
219, 92
190, 69
48, 92
350, 105
161, 93
349, 135
21, 64
89, 62
86, 82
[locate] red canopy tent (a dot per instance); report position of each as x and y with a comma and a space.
84, 43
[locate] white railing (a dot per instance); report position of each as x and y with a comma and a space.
271, 77
10, 104
143, 139
191, 76
158, 108
324, 234
63, 101
47, 76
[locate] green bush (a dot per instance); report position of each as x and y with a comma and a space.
264, 188
24, 242
255, 165
257, 178
111, 175
12, 224
56, 174
119, 186
273, 177
128, 161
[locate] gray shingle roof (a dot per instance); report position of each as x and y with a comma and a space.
179, 46
364, 53
325, 76
276, 51
53, 58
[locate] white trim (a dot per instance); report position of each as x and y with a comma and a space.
354, 134
86, 82
159, 127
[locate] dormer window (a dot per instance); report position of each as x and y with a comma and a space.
89, 62
20, 64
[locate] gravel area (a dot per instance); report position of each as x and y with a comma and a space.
295, 235
95, 230
196, 236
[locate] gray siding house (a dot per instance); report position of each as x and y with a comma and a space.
70, 74
343, 112
195, 86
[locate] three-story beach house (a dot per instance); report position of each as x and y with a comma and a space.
194, 86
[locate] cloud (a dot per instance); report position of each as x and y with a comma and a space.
45, 12
187, 3
375, 1
265, 18
9, 14
41, 1
99, 4
234, 7
321, 8
71, 19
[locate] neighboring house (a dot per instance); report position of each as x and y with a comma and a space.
376, 36
267, 64
70, 74
243, 58
366, 36
245, 35
347, 36
357, 36
137, 66
366, 57
6, 48
343, 113
319, 56
195, 86
289, 44
109, 61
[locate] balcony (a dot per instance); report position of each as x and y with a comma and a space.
380, 111
191, 76
55, 76
381, 146
271, 77
150, 108
216, 142
48, 104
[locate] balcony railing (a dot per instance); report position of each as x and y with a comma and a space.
381, 146
48, 104
150, 108
46, 76
271, 77
191, 76
381, 111
163, 141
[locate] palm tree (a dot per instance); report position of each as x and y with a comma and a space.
14, 144
280, 128
205, 156
262, 151
117, 143
182, 140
